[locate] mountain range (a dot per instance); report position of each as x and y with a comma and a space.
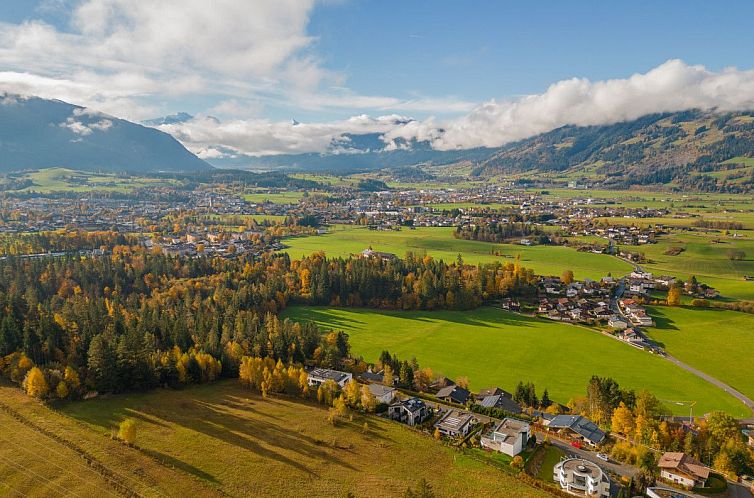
40, 133
702, 150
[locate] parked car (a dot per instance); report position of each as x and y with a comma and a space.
576, 444
604, 457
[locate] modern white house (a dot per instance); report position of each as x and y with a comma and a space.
682, 469
456, 423
383, 394
581, 478
321, 375
509, 436
411, 411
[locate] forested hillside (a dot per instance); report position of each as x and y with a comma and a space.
692, 150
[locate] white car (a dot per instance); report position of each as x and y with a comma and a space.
604, 457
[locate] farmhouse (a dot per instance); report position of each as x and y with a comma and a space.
509, 436
321, 375
680, 468
578, 427
455, 423
411, 411
454, 394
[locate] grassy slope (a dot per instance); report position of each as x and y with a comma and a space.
244, 445
57, 179
34, 465
492, 347
718, 342
439, 242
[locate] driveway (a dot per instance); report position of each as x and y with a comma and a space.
612, 466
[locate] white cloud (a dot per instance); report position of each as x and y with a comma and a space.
672, 86
210, 138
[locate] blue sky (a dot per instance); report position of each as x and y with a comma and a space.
262, 62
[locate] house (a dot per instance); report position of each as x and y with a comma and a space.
685, 470
383, 394
501, 402
581, 478
578, 427
616, 323
492, 391
321, 375
385, 256
456, 423
411, 411
453, 394
658, 492
509, 436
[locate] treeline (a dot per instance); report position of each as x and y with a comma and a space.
719, 224
36, 243
498, 232
135, 319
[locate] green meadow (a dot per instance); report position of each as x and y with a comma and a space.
718, 342
707, 259
494, 347
63, 179
439, 243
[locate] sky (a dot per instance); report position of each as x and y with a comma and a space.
459, 74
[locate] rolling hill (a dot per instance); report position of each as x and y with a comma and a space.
39, 133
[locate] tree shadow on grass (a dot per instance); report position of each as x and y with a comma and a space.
178, 464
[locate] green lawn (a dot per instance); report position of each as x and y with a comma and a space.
439, 243
493, 347
552, 457
717, 342
232, 440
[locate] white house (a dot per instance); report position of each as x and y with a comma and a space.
411, 411
616, 323
509, 436
682, 469
455, 423
383, 394
581, 478
321, 375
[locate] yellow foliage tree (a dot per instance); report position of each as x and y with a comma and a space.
36, 384
62, 390
674, 296
623, 420
127, 431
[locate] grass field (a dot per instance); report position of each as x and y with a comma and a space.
493, 347
440, 244
707, 260
717, 342
221, 440
63, 179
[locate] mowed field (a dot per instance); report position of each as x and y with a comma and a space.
343, 241
494, 347
717, 342
226, 441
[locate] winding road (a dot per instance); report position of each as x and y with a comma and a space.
725, 387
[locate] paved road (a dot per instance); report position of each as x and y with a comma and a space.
725, 387
590, 456
738, 490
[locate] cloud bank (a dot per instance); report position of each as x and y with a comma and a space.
672, 86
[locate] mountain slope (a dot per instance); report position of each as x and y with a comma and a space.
38, 133
689, 149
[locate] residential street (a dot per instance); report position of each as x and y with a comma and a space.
611, 466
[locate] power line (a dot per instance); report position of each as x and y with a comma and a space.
23, 469
77, 476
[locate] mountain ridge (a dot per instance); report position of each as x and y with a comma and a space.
41, 133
